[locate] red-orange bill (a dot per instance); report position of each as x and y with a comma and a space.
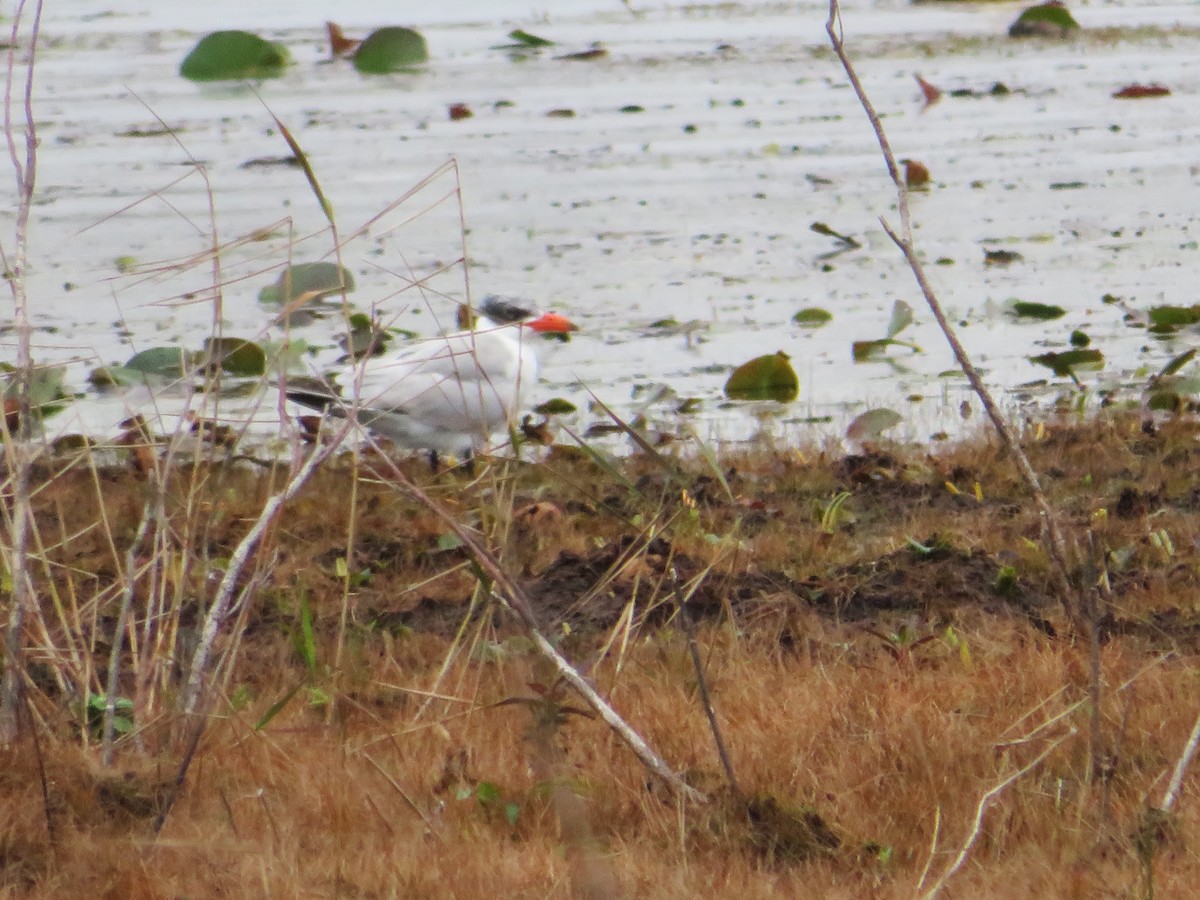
552, 322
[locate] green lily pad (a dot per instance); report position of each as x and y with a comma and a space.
1174, 316
225, 55
365, 338
390, 50
312, 280
1165, 401
1044, 312
166, 362
768, 377
47, 389
236, 356
812, 317
1065, 363
556, 406
865, 351
115, 376
1044, 20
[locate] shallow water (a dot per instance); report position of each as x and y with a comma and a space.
695, 209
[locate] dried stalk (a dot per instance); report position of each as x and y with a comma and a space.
18, 448
513, 596
1082, 609
222, 602
904, 241
689, 629
1181, 767
118, 641
981, 809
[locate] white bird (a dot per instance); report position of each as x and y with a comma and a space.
448, 394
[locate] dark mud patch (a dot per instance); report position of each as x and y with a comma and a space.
593, 592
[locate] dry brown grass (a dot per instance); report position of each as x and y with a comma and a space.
839, 724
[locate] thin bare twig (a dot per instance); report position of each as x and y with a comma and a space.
1081, 607
18, 449
689, 629
409, 801
514, 597
981, 809
221, 605
933, 842
118, 640
904, 241
43, 781
1181, 767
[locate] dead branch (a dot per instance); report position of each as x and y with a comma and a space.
1181, 767
981, 809
222, 602
18, 449
1081, 606
513, 597
906, 244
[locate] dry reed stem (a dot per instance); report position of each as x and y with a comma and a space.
220, 607
906, 244
514, 597
1081, 607
18, 448
1181, 766
981, 809
118, 641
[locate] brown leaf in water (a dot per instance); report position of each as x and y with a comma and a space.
339, 44
930, 92
1138, 91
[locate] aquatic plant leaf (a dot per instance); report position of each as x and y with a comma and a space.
1178, 385
1025, 309
1045, 20
115, 376
236, 356
390, 49
523, 40
1067, 361
225, 55
768, 377
902, 317
823, 229
1178, 363
556, 406
1140, 91
168, 362
930, 93
1079, 338
864, 351
916, 174
311, 280
1001, 257
871, 425
339, 44
1174, 316
812, 317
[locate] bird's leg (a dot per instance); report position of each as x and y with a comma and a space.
434, 461
469, 462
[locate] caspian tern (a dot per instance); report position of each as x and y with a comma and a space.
448, 394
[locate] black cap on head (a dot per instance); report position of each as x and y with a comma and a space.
503, 310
